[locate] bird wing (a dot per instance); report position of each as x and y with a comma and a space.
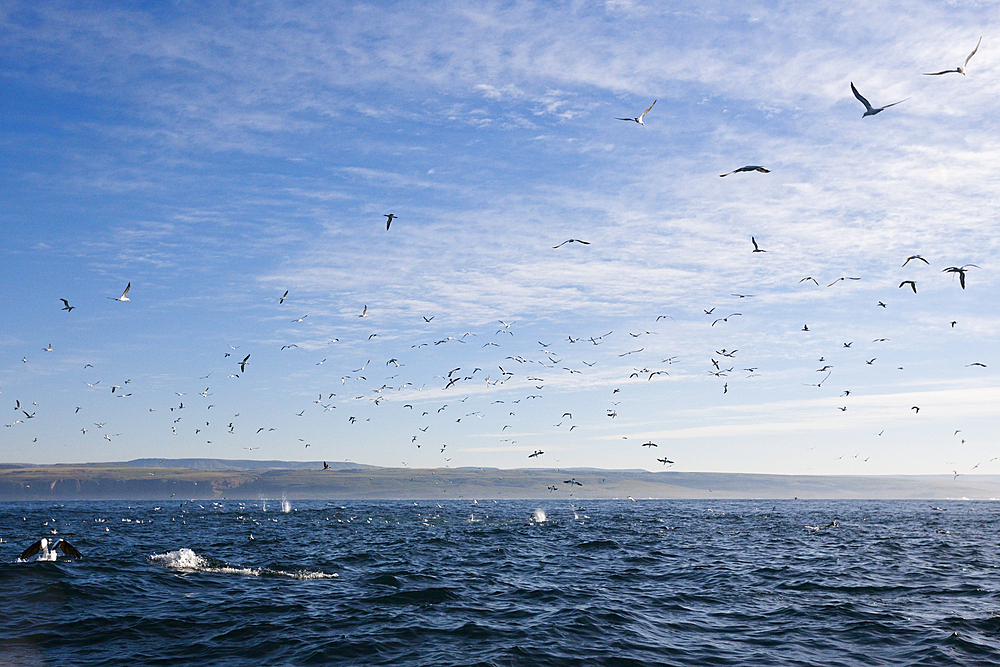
31, 551
972, 54
944, 71
624, 118
127, 288
654, 102
68, 549
860, 97
895, 103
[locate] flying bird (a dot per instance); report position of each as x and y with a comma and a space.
639, 119
915, 257
869, 109
283, 297
756, 248
571, 241
389, 217
959, 70
124, 296
243, 364
747, 168
66, 305
912, 285
960, 270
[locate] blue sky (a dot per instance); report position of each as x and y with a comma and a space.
215, 155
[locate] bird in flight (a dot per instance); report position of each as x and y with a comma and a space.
960, 270
283, 297
664, 460
915, 257
639, 119
959, 70
809, 278
66, 305
389, 217
243, 364
536, 453
912, 285
752, 167
650, 444
842, 278
571, 241
869, 109
364, 312
756, 248
124, 296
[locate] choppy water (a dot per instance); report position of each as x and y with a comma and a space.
514, 583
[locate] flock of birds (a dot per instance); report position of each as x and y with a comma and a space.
492, 372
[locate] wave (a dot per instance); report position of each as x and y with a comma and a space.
186, 560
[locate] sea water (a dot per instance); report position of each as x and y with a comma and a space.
545, 582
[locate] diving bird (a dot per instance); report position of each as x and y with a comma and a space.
747, 168
66, 305
639, 119
869, 109
960, 270
42, 547
124, 296
389, 217
756, 248
959, 70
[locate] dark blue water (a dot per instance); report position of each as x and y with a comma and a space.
452, 583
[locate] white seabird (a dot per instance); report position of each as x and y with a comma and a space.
639, 119
47, 552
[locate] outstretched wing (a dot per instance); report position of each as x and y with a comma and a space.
31, 551
973, 53
654, 102
68, 549
860, 97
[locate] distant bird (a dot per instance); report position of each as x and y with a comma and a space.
49, 554
723, 319
960, 270
243, 364
882, 304
428, 319
842, 278
912, 285
326, 466
805, 327
300, 319
809, 278
915, 409
975, 363
283, 297
66, 305
536, 454
756, 248
47, 349
573, 481
664, 460
959, 70
869, 109
639, 119
650, 443
747, 168
389, 217
124, 296
571, 241
915, 257
364, 312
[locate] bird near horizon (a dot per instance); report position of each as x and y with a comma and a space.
124, 296
869, 109
752, 167
958, 70
639, 119
389, 217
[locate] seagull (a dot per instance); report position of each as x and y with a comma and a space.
756, 248
42, 547
912, 285
389, 217
571, 241
842, 278
66, 305
664, 460
123, 297
649, 443
915, 409
639, 119
809, 278
747, 168
915, 257
364, 312
960, 270
326, 466
283, 297
959, 70
537, 453
243, 364
869, 109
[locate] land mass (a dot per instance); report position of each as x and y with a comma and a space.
155, 479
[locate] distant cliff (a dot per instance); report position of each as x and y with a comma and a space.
155, 479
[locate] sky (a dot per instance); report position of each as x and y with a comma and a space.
215, 155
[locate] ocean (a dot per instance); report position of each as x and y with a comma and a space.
547, 582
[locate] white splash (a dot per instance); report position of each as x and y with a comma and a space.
286, 506
538, 516
186, 560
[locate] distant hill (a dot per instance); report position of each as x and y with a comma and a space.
155, 479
